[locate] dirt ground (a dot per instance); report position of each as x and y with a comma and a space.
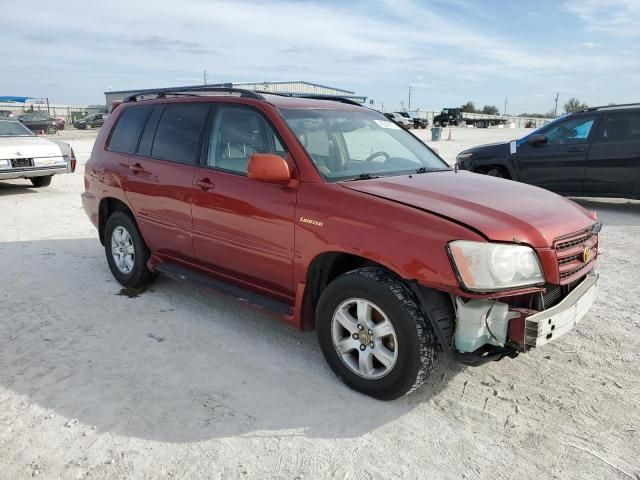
182, 383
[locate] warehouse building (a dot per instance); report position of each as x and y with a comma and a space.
289, 88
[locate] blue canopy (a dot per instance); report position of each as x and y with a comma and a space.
14, 99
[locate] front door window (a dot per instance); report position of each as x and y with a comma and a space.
237, 134
573, 130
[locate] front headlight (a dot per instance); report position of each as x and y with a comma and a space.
464, 155
488, 267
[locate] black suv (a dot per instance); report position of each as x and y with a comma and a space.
90, 121
594, 152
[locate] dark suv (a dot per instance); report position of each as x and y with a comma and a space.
595, 152
90, 121
331, 217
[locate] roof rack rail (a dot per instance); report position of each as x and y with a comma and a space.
611, 107
222, 88
333, 98
621, 105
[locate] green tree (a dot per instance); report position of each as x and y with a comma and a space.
537, 115
469, 107
490, 110
574, 105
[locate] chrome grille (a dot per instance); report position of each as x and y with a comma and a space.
569, 254
583, 236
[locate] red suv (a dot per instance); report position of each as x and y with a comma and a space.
334, 218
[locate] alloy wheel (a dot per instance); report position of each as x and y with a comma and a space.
364, 338
122, 249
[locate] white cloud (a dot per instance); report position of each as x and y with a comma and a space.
619, 18
375, 51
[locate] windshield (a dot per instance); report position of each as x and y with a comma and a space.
347, 144
14, 129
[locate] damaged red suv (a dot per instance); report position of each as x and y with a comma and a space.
334, 218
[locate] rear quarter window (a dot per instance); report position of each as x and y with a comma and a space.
125, 135
177, 137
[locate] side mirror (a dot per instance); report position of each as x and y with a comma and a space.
537, 140
268, 167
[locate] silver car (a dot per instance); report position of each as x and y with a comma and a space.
26, 155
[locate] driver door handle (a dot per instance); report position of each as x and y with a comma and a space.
205, 184
136, 168
576, 149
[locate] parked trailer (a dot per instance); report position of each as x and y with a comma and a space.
456, 117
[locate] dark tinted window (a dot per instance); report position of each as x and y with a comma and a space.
146, 141
125, 135
178, 134
621, 127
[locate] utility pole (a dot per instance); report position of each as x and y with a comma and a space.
204, 74
505, 105
409, 108
555, 109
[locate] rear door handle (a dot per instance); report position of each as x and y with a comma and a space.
205, 184
136, 168
576, 149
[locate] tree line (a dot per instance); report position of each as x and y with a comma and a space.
572, 105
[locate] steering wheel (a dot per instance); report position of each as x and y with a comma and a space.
378, 154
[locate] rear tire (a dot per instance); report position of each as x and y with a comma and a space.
127, 254
395, 350
41, 181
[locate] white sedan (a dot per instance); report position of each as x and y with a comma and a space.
26, 155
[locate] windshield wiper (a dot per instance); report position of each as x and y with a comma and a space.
427, 170
363, 176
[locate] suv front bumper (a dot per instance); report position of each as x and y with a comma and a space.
550, 324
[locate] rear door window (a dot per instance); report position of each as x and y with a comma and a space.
177, 137
125, 135
620, 127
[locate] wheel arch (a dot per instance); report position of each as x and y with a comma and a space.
322, 270
109, 205
487, 164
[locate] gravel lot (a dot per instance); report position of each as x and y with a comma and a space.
182, 383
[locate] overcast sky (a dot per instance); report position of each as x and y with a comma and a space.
449, 51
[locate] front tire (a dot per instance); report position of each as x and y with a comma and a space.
51, 129
497, 172
372, 334
41, 181
127, 254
